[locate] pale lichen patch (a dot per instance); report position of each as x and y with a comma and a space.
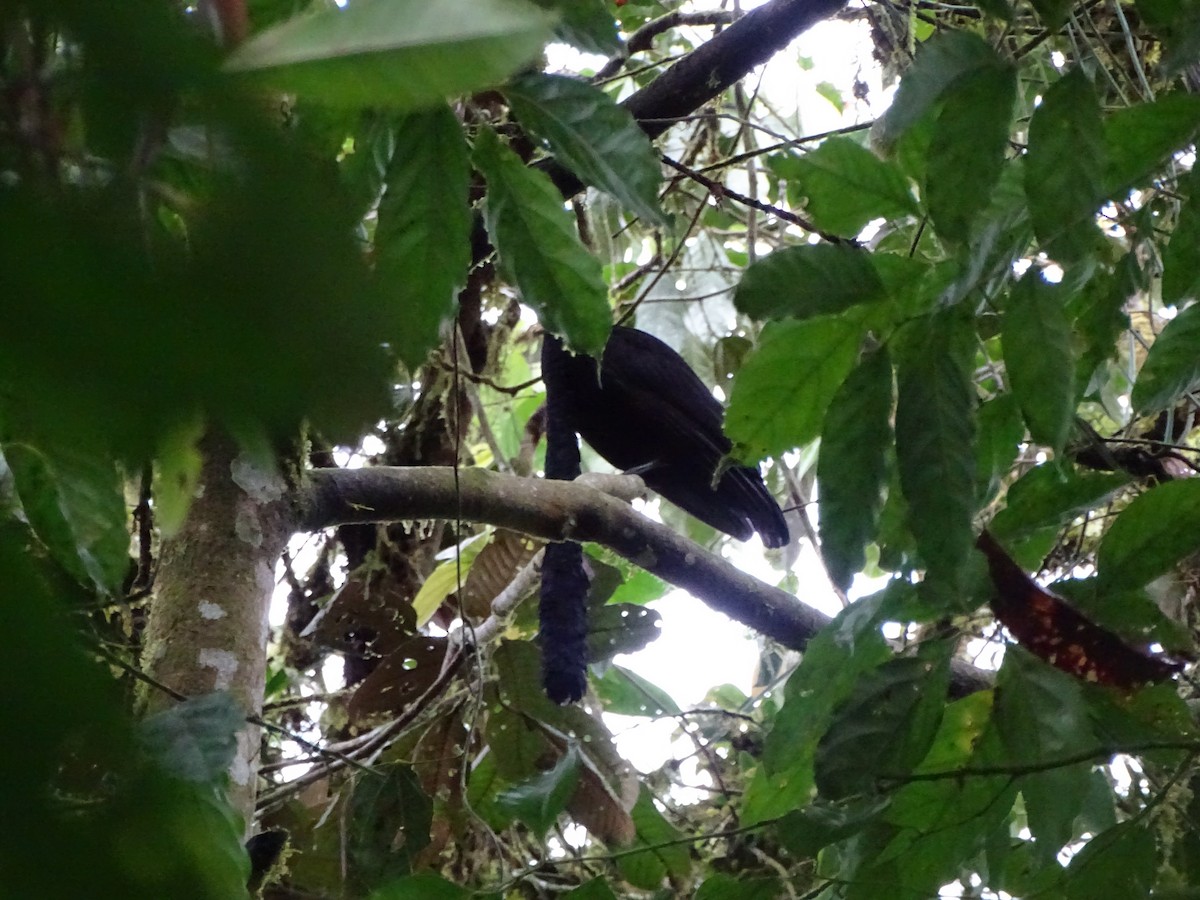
223, 662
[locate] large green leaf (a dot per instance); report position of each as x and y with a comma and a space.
808, 280
1181, 259
1140, 138
592, 136
967, 149
586, 24
846, 186
538, 801
885, 726
1064, 167
940, 62
852, 466
403, 54
647, 870
1172, 365
423, 234
1051, 495
539, 249
1151, 535
1038, 358
423, 886
1043, 718
935, 445
196, 739
629, 694
1001, 432
388, 821
832, 664
781, 394
74, 502
942, 821
1120, 862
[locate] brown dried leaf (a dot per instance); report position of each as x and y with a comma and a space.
494, 568
403, 676
370, 600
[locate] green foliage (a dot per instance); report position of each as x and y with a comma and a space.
1038, 359
423, 233
539, 248
403, 55
182, 248
852, 468
592, 136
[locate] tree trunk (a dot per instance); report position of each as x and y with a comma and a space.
208, 625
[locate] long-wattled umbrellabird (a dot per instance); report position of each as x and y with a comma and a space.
644, 410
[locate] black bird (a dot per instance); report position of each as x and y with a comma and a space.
644, 410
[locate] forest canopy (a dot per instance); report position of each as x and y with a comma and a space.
275, 276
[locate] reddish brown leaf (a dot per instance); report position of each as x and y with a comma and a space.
494, 568
1047, 627
403, 676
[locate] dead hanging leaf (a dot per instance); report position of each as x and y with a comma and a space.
494, 568
1047, 627
438, 760
601, 808
370, 602
403, 676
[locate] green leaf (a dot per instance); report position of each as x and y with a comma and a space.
177, 465
1172, 365
847, 186
627, 693
935, 445
423, 235
1052, 495
1064, 167
832, 664
1178, 23
1001, 432
885, 727
538, 801
943, 821
585, 24
539, 249
387, 824
1181, 259
1140, 138
423, 886
967, 149
1120, 862
804, 832
939, 63
806, 281
1151, 535
620, 628
593, 137
852, 466
403, 54
647, 870
1038, 358
195, 740
780, 396
74, 502
1053, 13
596, 889
1043, 718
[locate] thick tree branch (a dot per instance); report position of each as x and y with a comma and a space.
555, 510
